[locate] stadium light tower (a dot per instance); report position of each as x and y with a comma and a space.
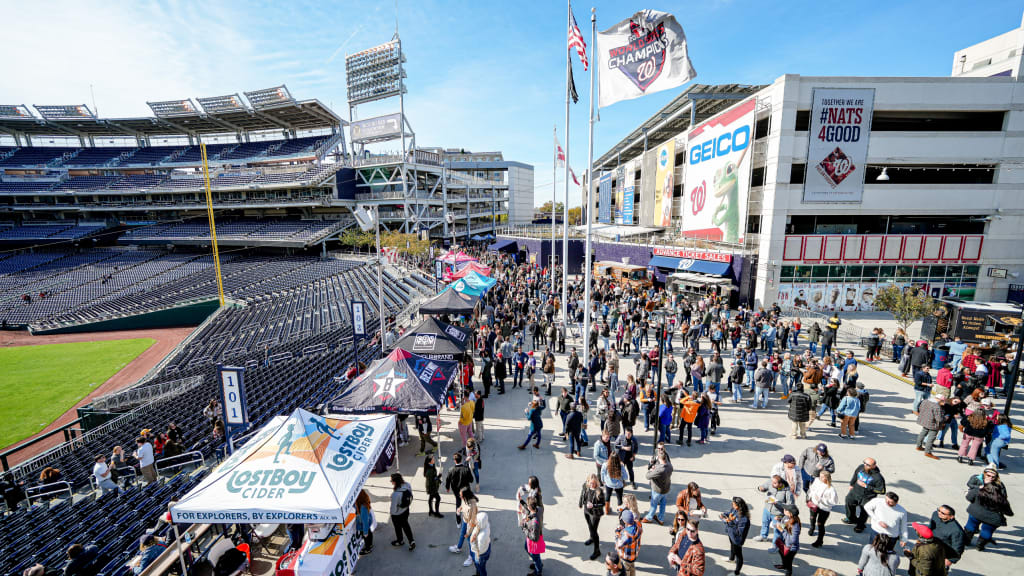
367, 221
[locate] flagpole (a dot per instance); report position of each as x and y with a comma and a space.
586, 199
565, 207
554, 200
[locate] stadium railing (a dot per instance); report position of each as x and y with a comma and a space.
140, 394
48, 491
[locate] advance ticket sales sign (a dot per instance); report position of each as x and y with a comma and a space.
837, 149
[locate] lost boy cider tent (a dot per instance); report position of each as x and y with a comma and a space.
640, 55
302, 468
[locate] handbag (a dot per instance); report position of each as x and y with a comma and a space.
812, 506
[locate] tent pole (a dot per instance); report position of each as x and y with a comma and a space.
177, 539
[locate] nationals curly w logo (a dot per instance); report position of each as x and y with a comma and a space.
643, 58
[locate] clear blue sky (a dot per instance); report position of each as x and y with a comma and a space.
483, 75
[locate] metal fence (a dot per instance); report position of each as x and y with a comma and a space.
145, 394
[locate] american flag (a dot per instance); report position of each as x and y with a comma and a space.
559, 153
576, 40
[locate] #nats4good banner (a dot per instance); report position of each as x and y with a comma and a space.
640, 55
717, 181
837, 149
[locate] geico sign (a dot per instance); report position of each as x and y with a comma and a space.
721, 145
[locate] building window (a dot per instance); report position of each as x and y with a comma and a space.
796, 173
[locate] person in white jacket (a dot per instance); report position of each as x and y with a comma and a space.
480, 542
888, 517
821, 497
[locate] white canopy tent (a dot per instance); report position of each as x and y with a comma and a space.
702, 280
297, 469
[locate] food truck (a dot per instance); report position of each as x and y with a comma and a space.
989, 325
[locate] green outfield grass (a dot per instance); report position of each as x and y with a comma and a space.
39, 383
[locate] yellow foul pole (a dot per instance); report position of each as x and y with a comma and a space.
213, 227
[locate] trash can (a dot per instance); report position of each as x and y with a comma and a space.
941, 357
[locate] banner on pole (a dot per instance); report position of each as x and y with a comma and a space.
640, 55
358, 319
626, 185
837, 147
717, 181
620, 181
664, 183
604, 194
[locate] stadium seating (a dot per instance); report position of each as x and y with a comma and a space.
36, 156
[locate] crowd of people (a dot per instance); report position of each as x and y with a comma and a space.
706, 354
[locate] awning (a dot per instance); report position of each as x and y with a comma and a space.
689, 265
503, 246
616, 230
702, 280
302, 468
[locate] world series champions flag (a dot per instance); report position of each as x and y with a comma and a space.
640, 55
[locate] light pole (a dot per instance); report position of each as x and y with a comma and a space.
660, 317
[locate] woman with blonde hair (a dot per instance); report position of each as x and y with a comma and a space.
614, 477
593, 503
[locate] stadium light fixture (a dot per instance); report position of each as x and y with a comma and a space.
884, 176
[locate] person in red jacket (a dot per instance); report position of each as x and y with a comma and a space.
688, 543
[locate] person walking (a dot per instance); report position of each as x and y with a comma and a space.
659, 472
671, 367
466, 513
478, 416
480, 542
665, 419
687, 554
1000, 440
930, 419
799, 411
627, 541
466, 418
877, 558
425, 428
627, 446
401, 500
592, 503
813, 336
574, 430
534, 414
736, 372
564, 405
849, 408
866, 483
737, 526
433, 485
821, 497
532, 525
976, 428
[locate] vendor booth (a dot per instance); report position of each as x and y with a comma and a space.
472, 284
450, 302
297, 469
435, 340
453, 257
401, 382
472, 267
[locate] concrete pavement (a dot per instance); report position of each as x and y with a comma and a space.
739, 458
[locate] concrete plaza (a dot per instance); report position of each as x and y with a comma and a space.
736, 460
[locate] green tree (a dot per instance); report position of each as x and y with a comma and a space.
907, 305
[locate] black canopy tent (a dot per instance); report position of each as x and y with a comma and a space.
450, 302
400, 383
435, 340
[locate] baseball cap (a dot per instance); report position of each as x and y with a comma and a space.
922, 530
822, 448
986, 401
627, 516
788, 458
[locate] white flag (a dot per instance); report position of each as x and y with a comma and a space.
640, 55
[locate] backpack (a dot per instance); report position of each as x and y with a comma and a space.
406, 500
543, 404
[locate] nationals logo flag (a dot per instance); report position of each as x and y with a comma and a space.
640, 55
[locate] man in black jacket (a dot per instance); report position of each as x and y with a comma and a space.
949, 532
564, 407
459, 477
799, 411
867, 483
574, 429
